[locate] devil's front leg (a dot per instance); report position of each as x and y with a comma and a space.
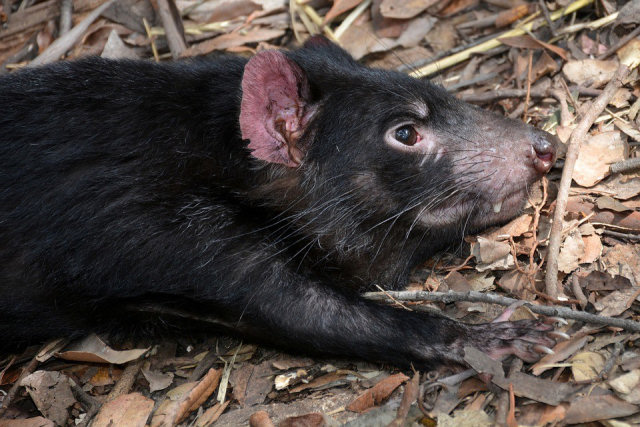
287, 309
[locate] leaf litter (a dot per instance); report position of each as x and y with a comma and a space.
481, 51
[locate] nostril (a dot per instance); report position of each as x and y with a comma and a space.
548, 157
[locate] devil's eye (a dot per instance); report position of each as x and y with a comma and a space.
406, 134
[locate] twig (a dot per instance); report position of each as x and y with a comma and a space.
577, 136
494, 42
350, 19
91, 405
66, 42
154, 49
66, 10
126, 381
628, 165
528, 96
475, 296
547, 17
518, 93
411, 391
623, 41
173, 28
633, 237
28, 370
577, 291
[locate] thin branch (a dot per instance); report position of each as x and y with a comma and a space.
577, 136
474, 296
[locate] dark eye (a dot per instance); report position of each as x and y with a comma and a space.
407, 135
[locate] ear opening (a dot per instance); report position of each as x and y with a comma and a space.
275, 108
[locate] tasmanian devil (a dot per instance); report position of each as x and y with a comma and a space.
264, 193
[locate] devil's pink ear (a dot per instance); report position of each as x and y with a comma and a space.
275, 107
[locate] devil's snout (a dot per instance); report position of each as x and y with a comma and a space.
543, 150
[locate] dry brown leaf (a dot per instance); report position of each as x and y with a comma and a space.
599, 281
404, 9
509, 16
516, 284
466, 418
378, 393
331, 379
386, 27
492, 255
27, 422
615, 303
595, 408
623, 260
590, 72
157, 380
116, 49
596, 155
51, 392
571, 252
562, 351
525, 41
456, 6
339, 7
92, 349
252, 383
627, 386
587, 365
541, 390
515, 228
184, 399
211, 415
285, 362
309, 420
225, 41
128, 410
260, 419
592, 249
443, 36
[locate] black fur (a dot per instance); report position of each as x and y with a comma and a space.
125, 183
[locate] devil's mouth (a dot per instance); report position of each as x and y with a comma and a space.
477, 211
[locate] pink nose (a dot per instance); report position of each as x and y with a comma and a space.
544, 151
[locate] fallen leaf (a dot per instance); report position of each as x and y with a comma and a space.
92, 349
492, 255
27, 422
540, 390
184, 399
128, 410
626, 385
226, 41
615, 303
157, 380
260, 419
331, 379
562, 351
596, 155
378, 393
339, 7
211, 415
116, 49
466, 418
308, 420
51, 392
571, 252
592, 249
596, 408
590, 72
404, 9
587, 365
